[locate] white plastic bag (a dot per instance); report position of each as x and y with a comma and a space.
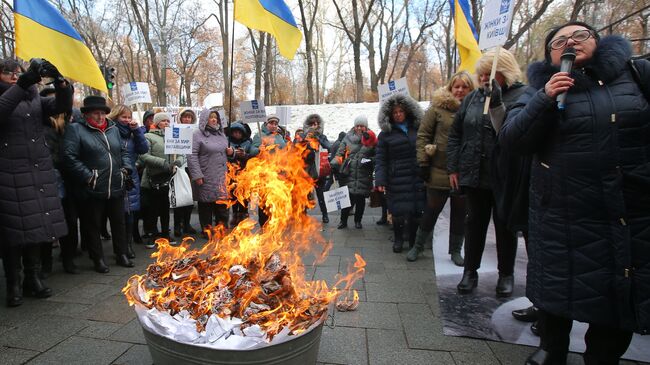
180, 189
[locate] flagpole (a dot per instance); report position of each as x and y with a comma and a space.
232, 61
493, 73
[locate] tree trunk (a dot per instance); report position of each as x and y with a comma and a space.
267, 70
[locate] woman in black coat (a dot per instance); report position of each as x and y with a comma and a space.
589, 241
30, 208
469, 162
98, 164
396, 166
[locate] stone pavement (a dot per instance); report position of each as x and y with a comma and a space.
88, 321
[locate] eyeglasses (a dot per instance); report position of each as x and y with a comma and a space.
577, 36
11, 73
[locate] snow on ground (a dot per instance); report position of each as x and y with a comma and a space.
337, 117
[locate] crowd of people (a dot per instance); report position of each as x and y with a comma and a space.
574, 182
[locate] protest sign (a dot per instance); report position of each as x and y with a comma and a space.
212, 100
398, 86
284, 113
495, 23
337, 199
252, 111
178, 141
136, 93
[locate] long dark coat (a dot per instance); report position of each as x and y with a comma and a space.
135, 145
589, 234
396, 165
30, 207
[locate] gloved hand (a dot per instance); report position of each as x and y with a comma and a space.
365, 135
174, 165
49, 70
31, 76
496, 94
425, 173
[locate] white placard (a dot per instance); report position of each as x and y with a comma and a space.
212, 100
284, 113
337, 199
495, 24
399, 86
178, 141
252, 111
136, 93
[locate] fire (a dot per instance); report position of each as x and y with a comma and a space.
256, 275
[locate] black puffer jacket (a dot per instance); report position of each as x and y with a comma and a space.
472, 139
30, 207
396, 165
95, 159
589, 235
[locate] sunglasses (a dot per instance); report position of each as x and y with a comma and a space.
578, 36
11, 73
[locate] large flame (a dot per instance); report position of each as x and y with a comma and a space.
253, 274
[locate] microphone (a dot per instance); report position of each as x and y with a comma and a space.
566, 63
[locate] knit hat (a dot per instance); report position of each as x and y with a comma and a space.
361, 120
159, 117
273, 117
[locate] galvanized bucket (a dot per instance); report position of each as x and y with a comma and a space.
299, 351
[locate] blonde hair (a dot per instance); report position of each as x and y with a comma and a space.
118, 110
464, 76
507, 65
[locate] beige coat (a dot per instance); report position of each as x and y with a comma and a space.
434, 131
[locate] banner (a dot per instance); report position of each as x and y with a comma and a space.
252, 111
178, 141
337, 199
399, 86
284, 113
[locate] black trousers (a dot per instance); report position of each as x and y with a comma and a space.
320, 189
409, 222
213, 214
157, 203
480, 205
436, 200
182, 217
91, 211
605, 345
358, 202
70, 241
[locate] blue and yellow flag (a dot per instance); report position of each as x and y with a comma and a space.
274, 17
465, 36
42, 32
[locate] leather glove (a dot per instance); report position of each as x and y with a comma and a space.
49, 70
30, 77
425, 173
496, 94
177, 163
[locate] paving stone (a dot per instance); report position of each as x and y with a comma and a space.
70, 309
4, 329
371, 315
136, 355
100, 330
330, 275
389, 347
11, 356
130, 332
87, 293
393, 292
42, 332
112, 309
420, 276
509, 354
30, 309
375, 272
82, 350
342, 345
472, 358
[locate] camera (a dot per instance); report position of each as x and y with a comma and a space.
43, 70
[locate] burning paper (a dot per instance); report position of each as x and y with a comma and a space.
245, 288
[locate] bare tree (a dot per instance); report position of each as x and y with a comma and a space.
308, 11
6, 30
427, 16
258, 53
355, 34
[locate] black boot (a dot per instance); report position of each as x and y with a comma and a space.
46, 259
528, 314
100, 266
505, 285
413, 225
468, 282
124, 261
345, 213
398, 229
33, 285
13, 273
69, 266
543, 357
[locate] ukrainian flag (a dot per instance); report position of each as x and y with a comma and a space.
465, 36
41, 32
274, 17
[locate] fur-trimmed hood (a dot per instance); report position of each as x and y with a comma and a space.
413, 111
608, 62
321, 124
444, 99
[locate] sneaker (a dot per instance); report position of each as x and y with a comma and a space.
150, 244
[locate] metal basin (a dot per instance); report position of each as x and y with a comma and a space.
299, 351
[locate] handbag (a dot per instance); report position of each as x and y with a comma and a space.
376, 197
180, 189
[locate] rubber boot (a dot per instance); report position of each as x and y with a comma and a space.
455, 245
33, 285
13, 270
421, 238
398, 230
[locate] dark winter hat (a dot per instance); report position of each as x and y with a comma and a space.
95, 102
147, 115
553, 32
